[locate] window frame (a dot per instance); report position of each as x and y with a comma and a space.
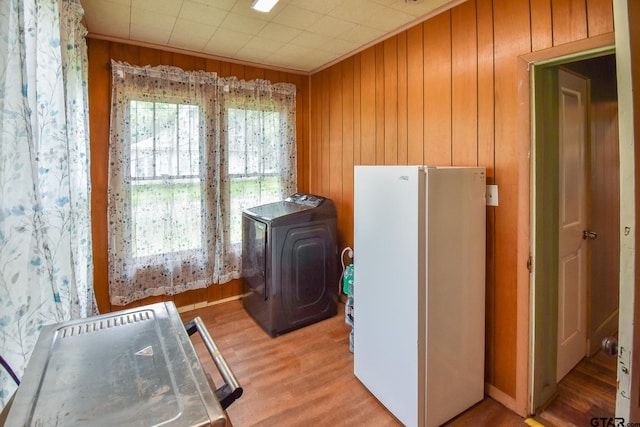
140, 261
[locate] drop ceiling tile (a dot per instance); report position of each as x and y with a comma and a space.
165, 7
256, 49
297, 17
280, 33
421, 8
310, 40
219, 4
331, 26
362, 34
340, 47
388, 19
355, 10
150, 34
190, 35
103, 17
152, 19
387, 2
303, 62
242, 24
198, 12
255, 56
258, 43
323, 7
226, 43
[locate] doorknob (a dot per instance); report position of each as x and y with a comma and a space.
586, 234
610, 346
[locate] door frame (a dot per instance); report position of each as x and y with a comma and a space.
628, 63
538, 303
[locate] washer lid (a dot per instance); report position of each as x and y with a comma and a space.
274, 210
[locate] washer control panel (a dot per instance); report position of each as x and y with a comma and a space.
305, 199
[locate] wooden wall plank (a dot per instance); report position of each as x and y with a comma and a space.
152, 57
600, 17
403, 148
357, 112
186, 62
348, 94
486, 114
200, 63
302, 132
415, 96
315, 148
237, 70
541, 26
272, 75
335, 135
569, 19
212, 65
225, 69
368, 106
464, 85
390, 103
252, 73
484, 12
325, 141
124, 53
379, 121
437, 90
512, 38
99, 110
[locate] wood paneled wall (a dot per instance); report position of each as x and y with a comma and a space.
445, 92
101, 52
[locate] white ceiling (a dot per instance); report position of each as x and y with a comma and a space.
300, 35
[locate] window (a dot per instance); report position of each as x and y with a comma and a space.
253, 169
188, 152
166, 183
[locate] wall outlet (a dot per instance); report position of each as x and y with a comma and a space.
492, 195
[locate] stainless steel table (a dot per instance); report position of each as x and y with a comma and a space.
134, 367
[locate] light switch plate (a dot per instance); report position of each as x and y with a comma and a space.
492, 195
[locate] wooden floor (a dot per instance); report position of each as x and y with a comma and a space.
588, 391
305, 377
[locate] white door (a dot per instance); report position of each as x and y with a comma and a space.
573, 221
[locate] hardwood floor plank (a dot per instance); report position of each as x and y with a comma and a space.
304, 377
588, 391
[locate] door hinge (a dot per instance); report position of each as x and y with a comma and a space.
529, 264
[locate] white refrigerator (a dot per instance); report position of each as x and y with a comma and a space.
419, 289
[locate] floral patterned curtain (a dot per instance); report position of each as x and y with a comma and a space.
188, 152
162, 205
46, 269
258, 146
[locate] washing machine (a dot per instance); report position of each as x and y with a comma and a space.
290, 262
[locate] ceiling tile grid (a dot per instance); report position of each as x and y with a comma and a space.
299, 35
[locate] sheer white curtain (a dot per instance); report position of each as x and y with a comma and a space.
46, 269
258, 143
162, 199
188, 152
